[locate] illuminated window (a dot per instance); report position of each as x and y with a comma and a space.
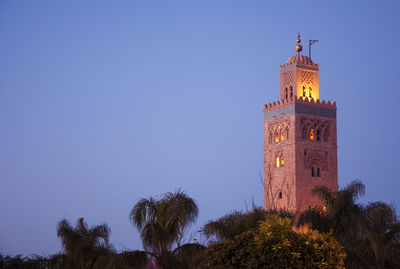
304, 91
311, 134
318, 135
282, 161
310, 92
276, 136
324, 209
282, 135
277, 162
280, 195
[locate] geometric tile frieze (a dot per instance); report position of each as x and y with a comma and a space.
299, 109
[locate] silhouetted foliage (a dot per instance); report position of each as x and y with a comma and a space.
370, 234
83, 245
237, 222
162, 224
275, 245
32, 262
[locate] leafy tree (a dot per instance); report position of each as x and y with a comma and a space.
275, 245
237, 222
162, 224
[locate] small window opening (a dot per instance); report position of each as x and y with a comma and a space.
282, 135
277, 162
312, 172
304, 133
286, 93
310, 92
276, 137
280, 195
282, 161
304, 91
318, 135
318, 173
311, 134
305, 153
291, 91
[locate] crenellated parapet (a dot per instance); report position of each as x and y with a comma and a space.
300, 100
300, 105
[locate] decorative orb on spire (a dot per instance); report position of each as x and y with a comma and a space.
298, 47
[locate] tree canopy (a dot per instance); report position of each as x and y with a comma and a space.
275, 245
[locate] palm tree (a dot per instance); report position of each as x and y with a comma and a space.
370, 234
83, 245
162, 224
380, 236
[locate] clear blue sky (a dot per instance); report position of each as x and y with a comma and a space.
105, 102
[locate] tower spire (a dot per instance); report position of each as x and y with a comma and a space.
298, 47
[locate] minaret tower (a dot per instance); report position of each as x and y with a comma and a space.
300, 143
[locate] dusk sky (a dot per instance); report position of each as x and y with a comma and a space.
105, 102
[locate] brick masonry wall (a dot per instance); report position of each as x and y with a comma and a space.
294, 179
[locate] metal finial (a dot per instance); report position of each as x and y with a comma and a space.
310, 42
298, 47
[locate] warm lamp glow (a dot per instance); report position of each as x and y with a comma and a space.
282, 161
277, 162
282, 135
307, 91
311, 134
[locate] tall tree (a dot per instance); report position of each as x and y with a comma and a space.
370, 234
162, 223
83, 245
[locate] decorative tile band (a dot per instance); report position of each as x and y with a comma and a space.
299, 109
299, 66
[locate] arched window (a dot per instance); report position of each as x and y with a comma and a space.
304, 133
280, 195
282, 135
291, 91
326, 134
304, 91
318, 137
286, 93
277, 162
312, 172
282, 161
318, 173
310, 92
311, 134
276, 136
